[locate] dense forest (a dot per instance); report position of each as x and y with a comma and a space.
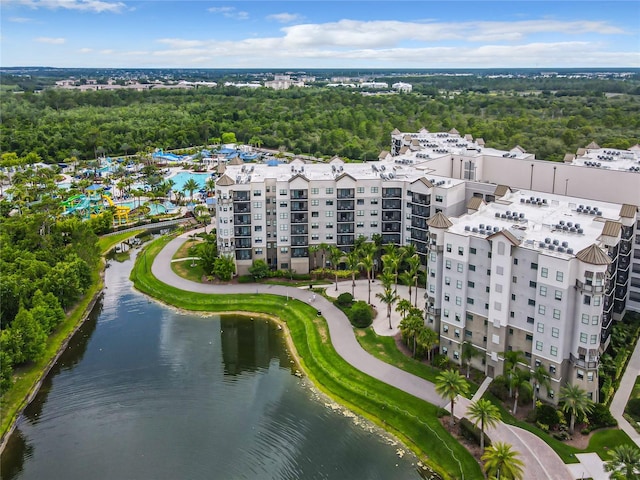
58, 124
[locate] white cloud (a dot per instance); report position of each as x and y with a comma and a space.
181, 43
285, 17
230, 12
96, 6
85, 50
20, 20
50, 40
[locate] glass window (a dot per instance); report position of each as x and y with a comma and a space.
553, 351
458, 301
540, 327
534, 266
328, 191
360, 190
544, 272
459, 284
596, 300
587, 300
593, 339
447, 264
374, 189
315, 191
539, 345
472, 268
449, 247
472, 250
460, 251
558, 295
555, 332
542, 309
556, 314
585, 319
329, 213
583, 338
559, 276
471, 284
543, 291
470, 300
595, 320
460, 267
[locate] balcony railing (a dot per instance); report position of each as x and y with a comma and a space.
578, 362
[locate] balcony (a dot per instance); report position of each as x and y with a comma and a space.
242, 219
345, 228
243, 254
345, 217
345, 193
299, 229
299, 206
241, 197
420, 223
299, 242
418, 235
421, 199
243, 243
391, 193
299, 218
299, 252
391, 217
391, 238
345, 205
586, 287
299, 194
345, 239
391, 204
581, 362
242, 231
421, 211
391, 227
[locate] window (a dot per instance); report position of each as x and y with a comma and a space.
460, 267
328, 191
512, 314
469, 317
439, 198
447, 264
360, 201
471, 284
589, 376
556, 314
373, 213
585, 319
539, 345
329, 225
449, 247
456, 354
447, 280
257, 228
583, 338
283, 191
360, 190
257, 216
315, 191
315, 214
472, 268
515, 261
540, 327
315, 203
587, 300
459, 301
360, 213
544, 272
460, 251
284, 239
554, 351
552, 369
458, 317
487, 289
257, 204
489, 271
542, 309
328, 203
329, 236
530, 320
446, 297
257, 193
559, 276
514, 279
468, 333
595, 320
533, 284
558, 295
534, 266
315, 236
528, 337
593, 339
284, 249
446, 313
543, 291
531, 302
328, 213
444, 350
596, 300
513, 297
489, 255
456, 333
472, 250
580, 374
374, 189
445, 328
500, 270
555, 332
374, 201
284, 227
459, 284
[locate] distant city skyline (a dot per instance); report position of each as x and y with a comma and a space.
319, 34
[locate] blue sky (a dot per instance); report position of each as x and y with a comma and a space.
319, 34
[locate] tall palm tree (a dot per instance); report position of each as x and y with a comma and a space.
335, 255
469, 352
540, 378
366, 263
486, 414
450, 384
352, 260
391, 261
190, 186
210, 185
502, 462
403, 307
427, 339
576, 403
410, 328
511, 360
413, 269
519, 381
388, 297
624, 464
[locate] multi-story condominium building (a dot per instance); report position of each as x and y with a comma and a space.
540, 273
521, 254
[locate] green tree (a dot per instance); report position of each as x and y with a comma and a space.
33, 336
403, 307
335, 256
388, 297
512, 359
190, 186
486, 414
224, 267
229, 137
519, 382
575, 401
469, 352
540, 378
410, 327
366, 263
259, 269
624, 463
501, 461
427, 339
352, 261
208, 253
449, 384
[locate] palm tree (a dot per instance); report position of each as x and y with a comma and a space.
468, 354
335, 255
169, 184
576, 403
392, 261
410, 328
540, 378
352, 260
403, 307
366, 262
312, 255
485, 413
190, 186
388, 297
210, 185
501, 461
624, 464
427, 339
519, 381
450, 384
511, 360
413, 269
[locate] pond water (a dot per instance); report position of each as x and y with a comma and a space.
148, 392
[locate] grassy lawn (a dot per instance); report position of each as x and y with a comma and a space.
185, 270
183, 251
385, 349
414, 421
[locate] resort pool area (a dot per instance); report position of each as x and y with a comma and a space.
183, 177
154, 208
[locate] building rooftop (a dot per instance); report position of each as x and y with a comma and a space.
552, 224
608, 158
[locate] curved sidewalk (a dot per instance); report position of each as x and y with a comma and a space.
541, 462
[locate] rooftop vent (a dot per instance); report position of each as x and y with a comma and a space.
497, 214
561, 249
467, 228
547, 240
580, 231
556, 242
565, 244
552, 247
570, 251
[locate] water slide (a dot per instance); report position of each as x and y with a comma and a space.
121, 213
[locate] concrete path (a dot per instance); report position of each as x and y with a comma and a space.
590, 466
541, 462
621, 396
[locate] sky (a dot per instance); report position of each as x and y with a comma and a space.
320, 34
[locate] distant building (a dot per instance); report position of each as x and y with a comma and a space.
402, 87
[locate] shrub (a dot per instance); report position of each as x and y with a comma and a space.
633, 408
547, 415
600, 417
440, 361
345, 299
499, 388
245, 279
472, 433
360, 314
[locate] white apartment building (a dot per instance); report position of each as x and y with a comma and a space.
521, 254
534, 272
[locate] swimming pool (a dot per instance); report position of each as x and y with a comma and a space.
182, 177
154, 208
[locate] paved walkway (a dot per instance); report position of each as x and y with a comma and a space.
621, 396
541, 462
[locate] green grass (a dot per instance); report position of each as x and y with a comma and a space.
185, 270
605, 440
414, 421
107, 243
385, 349
25, 379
